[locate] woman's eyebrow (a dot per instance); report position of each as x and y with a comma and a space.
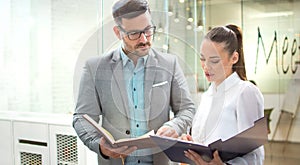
212, 57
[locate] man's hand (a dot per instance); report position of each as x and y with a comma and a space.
167, 131
118, 152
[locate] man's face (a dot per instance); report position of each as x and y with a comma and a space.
131, 29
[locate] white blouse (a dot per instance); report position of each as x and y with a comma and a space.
227, 110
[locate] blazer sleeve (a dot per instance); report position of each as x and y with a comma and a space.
181, 102
87, 103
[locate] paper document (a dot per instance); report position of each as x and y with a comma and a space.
140, 142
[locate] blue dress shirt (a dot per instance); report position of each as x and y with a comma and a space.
134, 81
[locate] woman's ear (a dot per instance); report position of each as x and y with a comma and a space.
235, 57
117, 32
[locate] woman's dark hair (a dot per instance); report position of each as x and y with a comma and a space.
128, 9
231, 36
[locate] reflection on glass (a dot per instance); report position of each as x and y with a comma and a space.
43, 45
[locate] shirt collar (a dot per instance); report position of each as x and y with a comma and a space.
125, 58
229, 82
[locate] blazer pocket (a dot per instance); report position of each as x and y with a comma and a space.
159, 84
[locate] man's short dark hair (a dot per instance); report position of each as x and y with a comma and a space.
129, 9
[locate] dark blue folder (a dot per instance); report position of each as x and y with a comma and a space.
236, 146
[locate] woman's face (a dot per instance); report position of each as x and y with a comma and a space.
216, 61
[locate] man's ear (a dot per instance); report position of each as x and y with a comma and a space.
117, 32
235, 57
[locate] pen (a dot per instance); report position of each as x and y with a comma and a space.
123, 161
188, 130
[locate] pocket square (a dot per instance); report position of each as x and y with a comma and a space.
160, 84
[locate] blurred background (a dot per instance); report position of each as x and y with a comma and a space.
44, 44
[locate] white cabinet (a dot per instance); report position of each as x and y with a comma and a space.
6, 143
66, 147
41, 139
31, 142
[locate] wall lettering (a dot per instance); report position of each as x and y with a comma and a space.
285, 53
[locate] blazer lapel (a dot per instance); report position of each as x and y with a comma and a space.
150, 72
117, 70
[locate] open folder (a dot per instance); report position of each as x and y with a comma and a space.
236, 146
140, 142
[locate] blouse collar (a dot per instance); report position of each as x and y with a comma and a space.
229, 82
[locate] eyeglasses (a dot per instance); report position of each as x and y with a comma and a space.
134, 35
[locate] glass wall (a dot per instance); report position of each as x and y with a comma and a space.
44, 44
180, 31
272, 37
39, 46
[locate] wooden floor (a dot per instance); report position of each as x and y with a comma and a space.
282, 153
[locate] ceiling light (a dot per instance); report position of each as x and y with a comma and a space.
273, 14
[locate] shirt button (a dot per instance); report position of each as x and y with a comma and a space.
139, 161
127, 132
137, 125
135, 107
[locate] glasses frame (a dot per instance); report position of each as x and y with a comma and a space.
140, 32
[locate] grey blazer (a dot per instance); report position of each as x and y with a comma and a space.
102, 95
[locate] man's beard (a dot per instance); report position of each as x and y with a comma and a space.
136, 47
142, 44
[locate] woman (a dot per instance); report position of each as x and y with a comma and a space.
231, 104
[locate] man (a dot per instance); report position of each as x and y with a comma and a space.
133, 89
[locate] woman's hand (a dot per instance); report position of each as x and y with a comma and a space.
195, 157
186, 137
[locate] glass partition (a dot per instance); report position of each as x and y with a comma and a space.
44, 44
272, 42
39, 46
